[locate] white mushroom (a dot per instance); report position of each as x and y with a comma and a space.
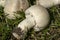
47, 3
12, 6
40, 15
37, 17
2, 3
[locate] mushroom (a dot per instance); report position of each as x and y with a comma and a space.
47, 3
2, 3
37, 17
12, 6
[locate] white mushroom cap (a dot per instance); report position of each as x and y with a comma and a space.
40, 15
12, 6
2, 3
47, 3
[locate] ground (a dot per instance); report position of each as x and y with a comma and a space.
51, 32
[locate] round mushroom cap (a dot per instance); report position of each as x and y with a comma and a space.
40, 15
47, 3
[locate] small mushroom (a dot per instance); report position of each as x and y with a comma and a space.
37, 17
2, 3
47, 3
12, 6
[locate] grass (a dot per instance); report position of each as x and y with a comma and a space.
7, 25
51, 32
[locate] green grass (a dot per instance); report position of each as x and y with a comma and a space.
7, 25
51, 32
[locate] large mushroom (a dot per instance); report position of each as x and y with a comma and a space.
37, 17
12, 6
47, 3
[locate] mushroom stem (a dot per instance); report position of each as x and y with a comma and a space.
27, 24
23, 27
